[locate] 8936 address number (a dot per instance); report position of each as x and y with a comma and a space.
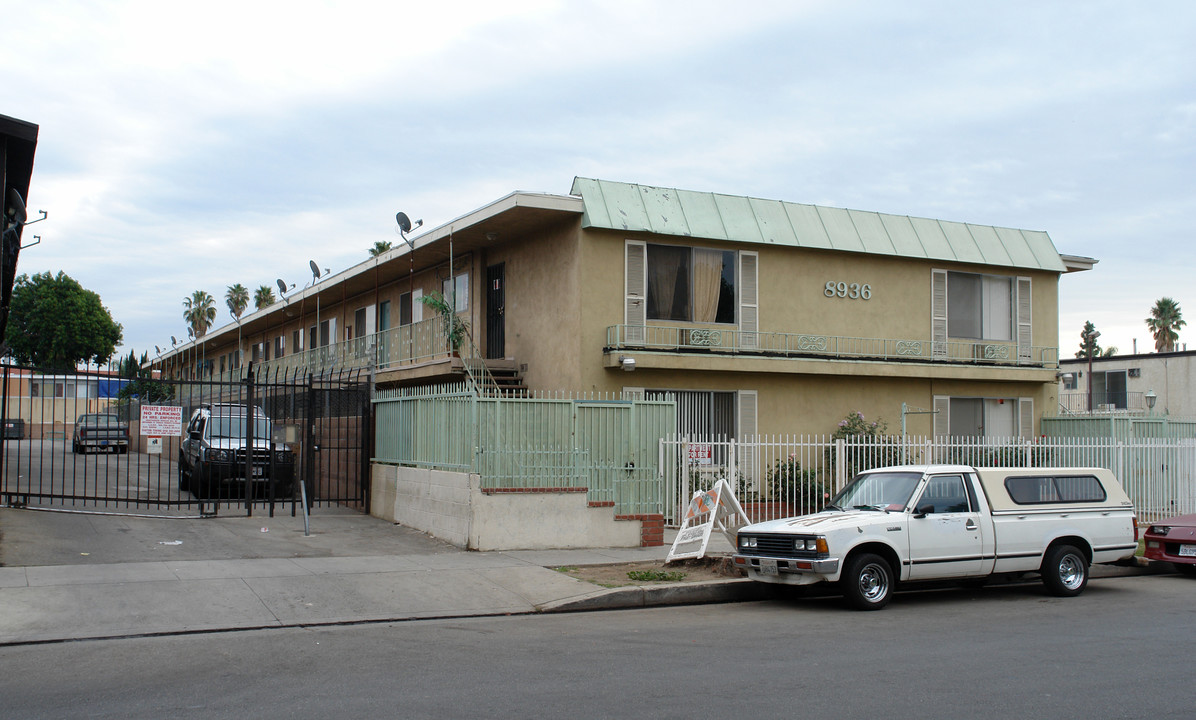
852, 291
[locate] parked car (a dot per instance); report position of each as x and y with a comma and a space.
100, 431
1173, 540
934, 522
212, 456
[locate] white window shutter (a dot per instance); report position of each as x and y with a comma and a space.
1025, 336
1025, 418
938, 314
636, 311
749, 301
942, 416
746, 428
417, 307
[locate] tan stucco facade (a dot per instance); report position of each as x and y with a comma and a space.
565, 286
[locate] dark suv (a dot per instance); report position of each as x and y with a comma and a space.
212, 454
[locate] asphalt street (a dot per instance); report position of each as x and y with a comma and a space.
1118, 651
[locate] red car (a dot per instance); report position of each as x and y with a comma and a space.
1174, 540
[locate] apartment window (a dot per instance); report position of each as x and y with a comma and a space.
701, 412
360, 323
384, 315
1108, 389
980, 306
297, 341
690, 284
983, 417
460, 286
280, 346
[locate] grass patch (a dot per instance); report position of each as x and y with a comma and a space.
566, 569
656, 575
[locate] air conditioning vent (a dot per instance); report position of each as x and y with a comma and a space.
1135, 372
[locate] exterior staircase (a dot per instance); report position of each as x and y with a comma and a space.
497, 378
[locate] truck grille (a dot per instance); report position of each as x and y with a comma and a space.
777, 546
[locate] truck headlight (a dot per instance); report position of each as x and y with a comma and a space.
747, 542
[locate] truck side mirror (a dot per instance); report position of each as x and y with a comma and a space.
923, 510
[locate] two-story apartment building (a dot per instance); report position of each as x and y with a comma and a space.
761, 316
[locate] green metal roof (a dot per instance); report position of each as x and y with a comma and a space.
685, 213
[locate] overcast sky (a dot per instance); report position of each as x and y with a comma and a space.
190, 146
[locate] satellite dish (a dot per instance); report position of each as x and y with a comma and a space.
157, 349
403, 221
315, 269
16, 207
173, 341
282, 287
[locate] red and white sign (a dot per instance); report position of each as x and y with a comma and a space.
161, 420
701, 454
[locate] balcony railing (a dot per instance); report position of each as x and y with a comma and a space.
1076, 402
404, 346
738, 342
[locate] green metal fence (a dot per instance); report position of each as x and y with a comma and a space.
605, 443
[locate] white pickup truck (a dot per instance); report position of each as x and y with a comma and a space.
934, 522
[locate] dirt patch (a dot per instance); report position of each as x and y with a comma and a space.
654, 572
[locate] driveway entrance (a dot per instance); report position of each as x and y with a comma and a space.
53, 456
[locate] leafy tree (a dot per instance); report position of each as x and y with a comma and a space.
380, 247
263, 297
55, 323
1088, 346
1164, 322
237, 299
199, 311
143, 385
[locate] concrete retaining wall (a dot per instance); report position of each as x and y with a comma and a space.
453, 507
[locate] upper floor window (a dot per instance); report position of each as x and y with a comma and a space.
457, 287
690, 284
980, 306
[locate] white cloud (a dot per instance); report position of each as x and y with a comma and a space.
195, 146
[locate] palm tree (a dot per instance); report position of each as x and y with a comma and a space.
263, 297
199, 311
380, 247
1164, 322
237, 299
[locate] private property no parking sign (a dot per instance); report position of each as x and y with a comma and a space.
158, 421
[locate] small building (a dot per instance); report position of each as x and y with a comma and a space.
758, 316
1125, 384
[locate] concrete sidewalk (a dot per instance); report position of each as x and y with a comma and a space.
69, 576
76, 576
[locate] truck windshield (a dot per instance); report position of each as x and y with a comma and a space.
881, 490
233, 426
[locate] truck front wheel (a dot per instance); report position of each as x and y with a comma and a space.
1065, 571
867, 582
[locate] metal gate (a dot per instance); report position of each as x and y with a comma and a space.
97, 442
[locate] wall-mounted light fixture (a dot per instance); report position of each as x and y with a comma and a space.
627, 363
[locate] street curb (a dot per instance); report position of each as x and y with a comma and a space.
712, 591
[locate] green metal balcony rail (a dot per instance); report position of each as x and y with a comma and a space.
733, 341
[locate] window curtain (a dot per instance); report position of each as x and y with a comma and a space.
708, 273
664, 264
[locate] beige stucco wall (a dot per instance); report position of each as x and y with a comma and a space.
565, 287
811, 396
451, 506
543, 270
